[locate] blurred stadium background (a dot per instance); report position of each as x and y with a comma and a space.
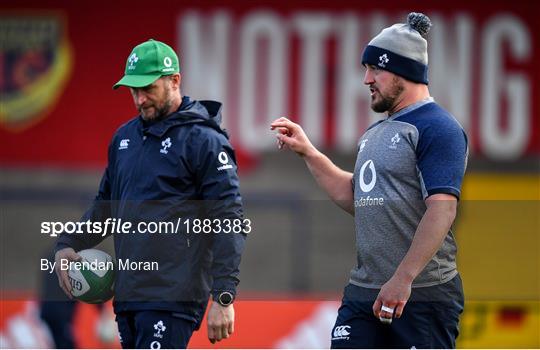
59, 59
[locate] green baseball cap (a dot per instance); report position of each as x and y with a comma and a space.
148, 62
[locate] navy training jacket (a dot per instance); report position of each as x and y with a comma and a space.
180, 167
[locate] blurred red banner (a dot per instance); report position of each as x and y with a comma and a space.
301, 59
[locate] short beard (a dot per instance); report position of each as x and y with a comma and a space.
162, 112
389, 101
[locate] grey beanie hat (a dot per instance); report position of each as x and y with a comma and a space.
402, 49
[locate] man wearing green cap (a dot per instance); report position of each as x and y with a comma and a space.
153, 67
171, 163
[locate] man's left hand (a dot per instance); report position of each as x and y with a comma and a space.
393, 295
220, 322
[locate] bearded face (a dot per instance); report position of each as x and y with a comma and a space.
385, 94
155, 100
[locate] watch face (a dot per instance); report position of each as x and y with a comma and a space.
225, 298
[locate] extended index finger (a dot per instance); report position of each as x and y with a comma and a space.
281, 119
286, 123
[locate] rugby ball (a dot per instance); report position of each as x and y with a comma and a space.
92, 278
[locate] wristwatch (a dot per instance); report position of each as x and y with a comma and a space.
225, 298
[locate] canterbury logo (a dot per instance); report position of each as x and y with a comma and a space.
341, 332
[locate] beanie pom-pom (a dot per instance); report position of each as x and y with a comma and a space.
419, 22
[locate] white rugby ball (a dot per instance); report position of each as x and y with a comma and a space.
92, 278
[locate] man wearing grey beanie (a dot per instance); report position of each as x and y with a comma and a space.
405, 291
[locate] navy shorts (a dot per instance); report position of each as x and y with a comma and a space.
153, 329
430, 319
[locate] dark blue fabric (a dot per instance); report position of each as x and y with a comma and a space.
430, 319
407, 68
142, 183
59, 315
153, 330
56, 310
441, 151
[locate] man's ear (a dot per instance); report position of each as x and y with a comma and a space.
176, 79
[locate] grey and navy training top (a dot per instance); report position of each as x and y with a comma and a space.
417, 152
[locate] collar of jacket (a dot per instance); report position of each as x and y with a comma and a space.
190, 112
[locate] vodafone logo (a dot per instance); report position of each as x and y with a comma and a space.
363, 186
224, 160
167, 62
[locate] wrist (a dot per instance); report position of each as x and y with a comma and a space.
404, 276
311, 153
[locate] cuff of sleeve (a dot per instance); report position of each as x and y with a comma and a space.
446, 190
224, 285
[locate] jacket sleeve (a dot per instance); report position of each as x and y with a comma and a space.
218, 186
98, 212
